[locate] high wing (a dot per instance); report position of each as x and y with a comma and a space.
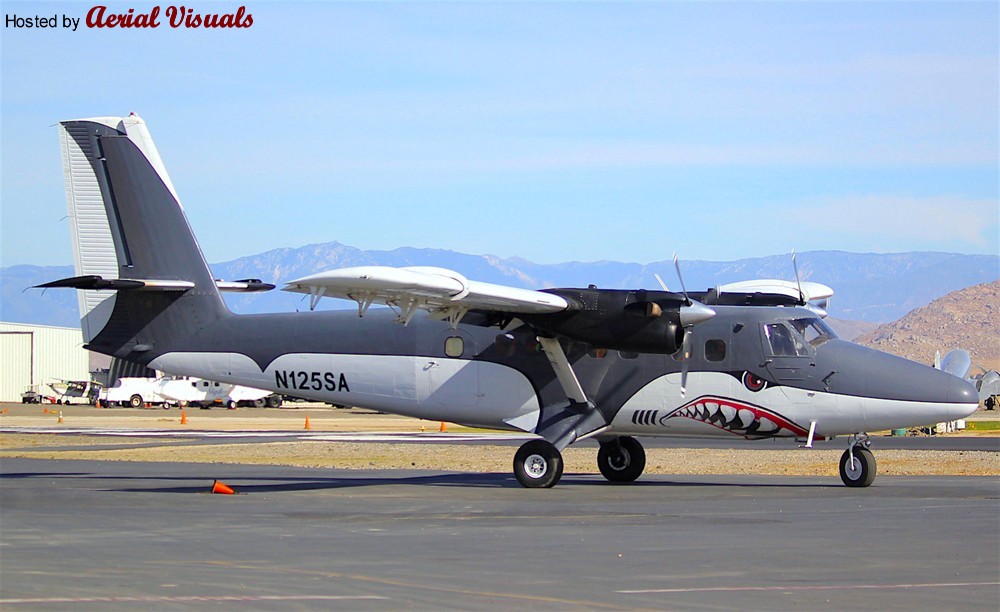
443, 292
810, 291
446, 294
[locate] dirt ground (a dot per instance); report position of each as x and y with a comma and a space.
429, 456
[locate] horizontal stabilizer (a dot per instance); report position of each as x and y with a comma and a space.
247, 285
438, 290
94, 281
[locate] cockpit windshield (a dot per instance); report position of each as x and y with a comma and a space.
814, 330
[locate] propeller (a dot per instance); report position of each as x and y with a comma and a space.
798, 281
691, 314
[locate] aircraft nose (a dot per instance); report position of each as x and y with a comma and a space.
896, 392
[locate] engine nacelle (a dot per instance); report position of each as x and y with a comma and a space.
625, 320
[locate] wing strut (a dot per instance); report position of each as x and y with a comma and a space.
564, 371
575, 419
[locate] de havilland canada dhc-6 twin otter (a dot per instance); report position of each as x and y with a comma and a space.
752, 360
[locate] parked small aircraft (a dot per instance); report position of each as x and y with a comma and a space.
69, 390
752, 360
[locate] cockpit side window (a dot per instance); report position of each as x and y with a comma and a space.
783, 342
814, 330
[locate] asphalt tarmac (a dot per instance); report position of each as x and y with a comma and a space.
117, 536
212, 436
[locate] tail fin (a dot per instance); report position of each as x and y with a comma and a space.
130, 236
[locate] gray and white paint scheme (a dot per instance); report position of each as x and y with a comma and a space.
752, 360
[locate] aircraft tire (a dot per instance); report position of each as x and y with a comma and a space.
626, 464
538, 465
863, 474
259, 403
135, 401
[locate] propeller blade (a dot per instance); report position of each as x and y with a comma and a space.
685, 356
798, 281
677, 265
663, 285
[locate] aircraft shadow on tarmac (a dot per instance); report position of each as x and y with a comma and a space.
291, 484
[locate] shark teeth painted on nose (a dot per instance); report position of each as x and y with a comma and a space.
737, 417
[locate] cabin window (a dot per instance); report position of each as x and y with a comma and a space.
814, 330
715, 350
783, 342
454, 346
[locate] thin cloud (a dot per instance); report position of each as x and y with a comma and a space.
902, 222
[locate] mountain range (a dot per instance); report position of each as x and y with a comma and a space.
869, 287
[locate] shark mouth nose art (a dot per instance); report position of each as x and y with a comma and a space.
736, 417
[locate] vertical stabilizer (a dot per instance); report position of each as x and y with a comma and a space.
127, 224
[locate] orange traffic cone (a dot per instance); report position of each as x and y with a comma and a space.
222, 488
444, 427
60, 417
45, 410
308, 426
184, 418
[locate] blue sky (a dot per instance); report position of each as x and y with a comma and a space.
550, 131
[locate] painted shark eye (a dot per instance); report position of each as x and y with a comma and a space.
753, 382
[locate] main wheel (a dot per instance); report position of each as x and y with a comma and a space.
135, 401
862, 473
622, 462
538, 464
259, 403
274, 401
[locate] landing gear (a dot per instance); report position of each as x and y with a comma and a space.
538, 464
857, 464
621, 460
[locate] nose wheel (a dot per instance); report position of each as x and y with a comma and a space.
857, 466
622, 460
538, 464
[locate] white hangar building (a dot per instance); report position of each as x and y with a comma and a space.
37, 354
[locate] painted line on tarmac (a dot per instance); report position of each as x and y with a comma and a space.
327, 436
185, 598
816, 587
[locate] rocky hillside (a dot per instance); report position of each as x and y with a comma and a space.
849, 330
968, 319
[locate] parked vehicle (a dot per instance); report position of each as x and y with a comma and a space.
32, 396
134, 392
